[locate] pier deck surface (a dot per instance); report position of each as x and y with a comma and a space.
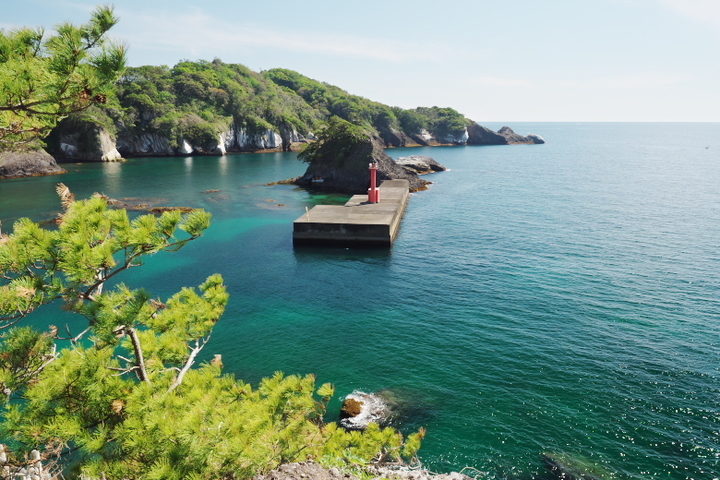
357, 222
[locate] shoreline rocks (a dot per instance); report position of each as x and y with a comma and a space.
311, 470
28, 164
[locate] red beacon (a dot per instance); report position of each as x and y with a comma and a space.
373, 191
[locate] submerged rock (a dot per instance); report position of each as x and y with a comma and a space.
566, 467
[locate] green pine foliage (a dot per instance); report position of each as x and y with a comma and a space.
44, 79
125, 397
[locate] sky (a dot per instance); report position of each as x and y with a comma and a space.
521, 60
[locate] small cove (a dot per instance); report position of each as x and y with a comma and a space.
558, 297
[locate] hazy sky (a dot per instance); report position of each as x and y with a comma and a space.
521, 60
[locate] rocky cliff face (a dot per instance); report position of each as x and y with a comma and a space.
350, 173
97, 146
27, 164
90, 142
232, 140
84, 140
145, 144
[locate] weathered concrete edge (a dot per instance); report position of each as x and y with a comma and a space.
380, 234
395, 225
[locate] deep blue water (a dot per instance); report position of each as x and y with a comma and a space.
561, 297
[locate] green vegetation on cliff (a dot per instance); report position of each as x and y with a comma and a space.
331, 100
122, 396
197, 101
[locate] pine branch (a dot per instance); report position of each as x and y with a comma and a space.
199, 345
139, 358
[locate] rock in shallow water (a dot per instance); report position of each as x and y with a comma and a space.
27, 164
420, 164
360, 409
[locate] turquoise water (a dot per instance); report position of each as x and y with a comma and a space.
561, 297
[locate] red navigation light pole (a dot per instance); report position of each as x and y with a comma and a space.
373, 191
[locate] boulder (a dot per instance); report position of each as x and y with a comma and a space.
420, 164
349, 173
360, 409
28, 164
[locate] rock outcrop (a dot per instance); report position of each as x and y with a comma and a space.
479, 135
83, 139
420, 164
27, 164
349, 173
360, 409
513, 138
98, 147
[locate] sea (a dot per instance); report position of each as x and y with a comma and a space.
559, 299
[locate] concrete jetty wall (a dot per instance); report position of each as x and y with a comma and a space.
357, 222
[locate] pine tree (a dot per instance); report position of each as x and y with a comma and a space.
44, 79
124, 398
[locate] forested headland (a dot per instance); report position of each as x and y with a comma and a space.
213, 107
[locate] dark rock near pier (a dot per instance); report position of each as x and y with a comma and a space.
349, 173
27, 164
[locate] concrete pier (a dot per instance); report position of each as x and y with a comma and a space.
357, 222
